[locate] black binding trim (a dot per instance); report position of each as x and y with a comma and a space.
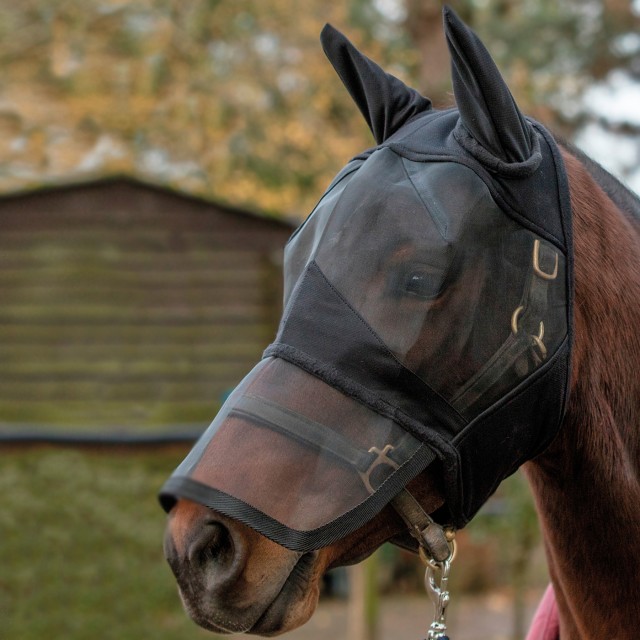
296, 540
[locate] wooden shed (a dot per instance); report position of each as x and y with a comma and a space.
130, 305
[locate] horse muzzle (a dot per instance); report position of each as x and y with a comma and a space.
233, 580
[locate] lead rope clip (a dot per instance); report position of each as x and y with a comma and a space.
436, 582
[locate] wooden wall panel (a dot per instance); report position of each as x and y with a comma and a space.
127, 305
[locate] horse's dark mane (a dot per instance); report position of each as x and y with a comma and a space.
625, 199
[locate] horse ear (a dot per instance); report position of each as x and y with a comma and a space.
385, 102
487, 108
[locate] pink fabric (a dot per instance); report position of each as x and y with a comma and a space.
545, 624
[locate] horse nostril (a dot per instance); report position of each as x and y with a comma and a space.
212, 545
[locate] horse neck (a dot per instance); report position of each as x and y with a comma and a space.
587, 484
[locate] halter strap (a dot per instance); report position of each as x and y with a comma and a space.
316, 435
527, 332
430, 536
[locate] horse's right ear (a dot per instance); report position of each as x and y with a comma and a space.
385, 102
500, 137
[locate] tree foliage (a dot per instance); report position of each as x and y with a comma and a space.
551, 51
235, 101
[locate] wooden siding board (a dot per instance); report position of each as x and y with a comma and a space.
126, 300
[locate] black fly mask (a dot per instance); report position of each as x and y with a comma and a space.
427, 318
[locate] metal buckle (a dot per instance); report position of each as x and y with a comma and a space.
382, 457
536, 263
537, 339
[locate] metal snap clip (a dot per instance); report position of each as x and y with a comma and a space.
438, 591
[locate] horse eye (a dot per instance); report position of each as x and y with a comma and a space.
423, 283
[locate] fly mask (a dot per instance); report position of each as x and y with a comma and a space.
427, 318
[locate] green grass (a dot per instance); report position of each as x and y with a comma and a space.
81, 547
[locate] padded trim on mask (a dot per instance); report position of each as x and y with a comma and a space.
495, 164
342, 343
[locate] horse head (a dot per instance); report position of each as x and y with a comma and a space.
427, 310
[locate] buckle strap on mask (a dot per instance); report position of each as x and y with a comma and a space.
302, 429
432, 539
527, 332
317, 436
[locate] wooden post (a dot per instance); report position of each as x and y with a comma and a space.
363, 600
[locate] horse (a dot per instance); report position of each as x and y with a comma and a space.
282, 487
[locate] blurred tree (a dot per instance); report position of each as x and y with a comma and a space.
551, 51
236, 101
423, 22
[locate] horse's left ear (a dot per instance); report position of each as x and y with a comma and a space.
385, 102
496, 133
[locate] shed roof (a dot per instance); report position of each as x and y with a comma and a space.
103, 181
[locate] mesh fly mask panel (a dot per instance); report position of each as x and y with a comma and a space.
427, 317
